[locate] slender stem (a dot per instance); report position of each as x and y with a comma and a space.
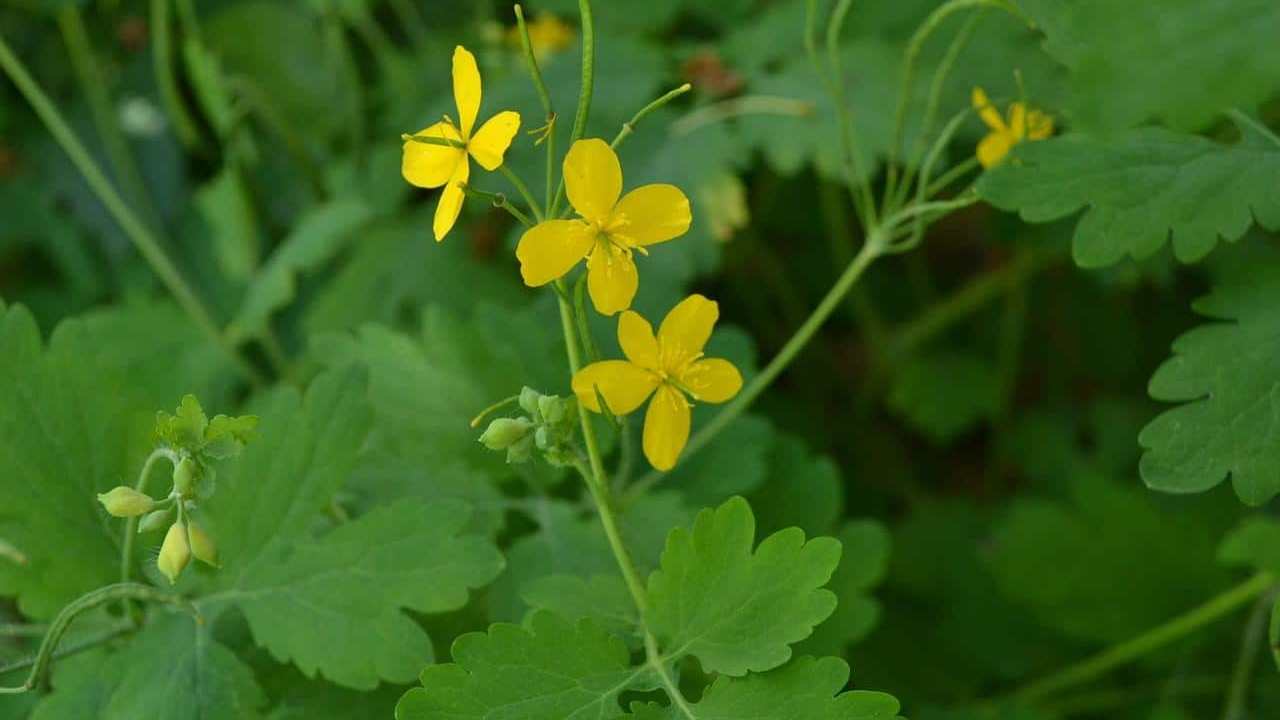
931, 108
94, 85
738, 107
914, 47
131, 525
630, 126
970, 298
1236, 705
655, 661
89, 601
593, 471
584, 95
871, 250
531, 60
475, 421
139, 234
499, 201
19, 630
1124, 653
951, 176
184, 126
851, 152
523, 190
92, 641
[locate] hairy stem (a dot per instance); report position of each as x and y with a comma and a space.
121, 591
138, 233
1156, 638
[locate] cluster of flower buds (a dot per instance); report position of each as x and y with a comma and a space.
547, 426
192, 442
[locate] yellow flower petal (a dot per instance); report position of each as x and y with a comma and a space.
430, 166
450, 204
635, 335
989, 114
466, 88
612, 279
1039, 125
666, 427
550, 249
712, 380
685, 330
993, 148
653, 214
623, 385
493, 138
593, 179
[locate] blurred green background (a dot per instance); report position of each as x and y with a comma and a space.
979, 398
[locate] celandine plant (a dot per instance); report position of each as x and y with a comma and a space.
664, 616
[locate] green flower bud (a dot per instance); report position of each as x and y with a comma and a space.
202, 545
126, 502
529, 400
175, 553
505, 432
185, 475
520, 451
156, 520
553, 408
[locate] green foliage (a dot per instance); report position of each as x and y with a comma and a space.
1256, 544
1142, 188
1190, 59
946, 394
1223, 375
734, 609
553, 669
806, 688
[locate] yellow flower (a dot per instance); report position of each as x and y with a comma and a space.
668, 367
430, 166
1022, 124
547, 35
609, 229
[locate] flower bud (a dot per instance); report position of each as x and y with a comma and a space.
529, 400
185, 474
202, 545
175, 553
126, 502
505, 432
156, 520
553, 408
521, 451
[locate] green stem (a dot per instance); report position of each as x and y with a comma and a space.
184, 126
1236, 705
864, 202
593, 472
630, 126
738, 107
138, 233
523, 190
584, 95
968, 299
951, 176
499, 201
131, 525
89, 601
655, 661
531, 61
94, 86
914, 46
1124, 653
18, 630
872, 249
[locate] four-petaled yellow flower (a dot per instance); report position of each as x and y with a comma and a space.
669, 367
430, 166
609, 230
1022, 124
